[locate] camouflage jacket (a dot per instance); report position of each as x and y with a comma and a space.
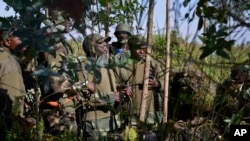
102, 100
11, 80
133, 75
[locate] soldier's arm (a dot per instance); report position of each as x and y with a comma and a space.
158, 77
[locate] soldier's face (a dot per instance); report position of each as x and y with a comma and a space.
122, 37
101, 48
12, 42
141, 52
238, 76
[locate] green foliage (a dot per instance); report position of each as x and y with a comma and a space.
214, 41
224, 19
106, 13
130, 134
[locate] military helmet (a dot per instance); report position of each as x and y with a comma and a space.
123, 27
90, 40
239, 70
241, 67
135, 41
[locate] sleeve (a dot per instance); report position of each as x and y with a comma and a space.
159, 74
13, 83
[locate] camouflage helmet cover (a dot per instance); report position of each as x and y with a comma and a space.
123, 27
90, 40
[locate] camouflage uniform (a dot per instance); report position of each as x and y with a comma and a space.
232, 98
133, 75
60, 117
12, 88
98, 117
122, 32
10, 70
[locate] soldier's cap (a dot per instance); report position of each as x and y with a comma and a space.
5, 33
137, 41
95, 38
241, 67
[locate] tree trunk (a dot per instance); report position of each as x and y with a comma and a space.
147, 64
167, 64
107, 20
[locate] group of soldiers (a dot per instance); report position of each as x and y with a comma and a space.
104, 96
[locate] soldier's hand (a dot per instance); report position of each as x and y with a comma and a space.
117, 96
91, 86
127, 91
153, 83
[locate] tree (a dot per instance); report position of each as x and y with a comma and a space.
225, 18
167, 63
147, 64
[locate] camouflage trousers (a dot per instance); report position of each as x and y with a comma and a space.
57, 122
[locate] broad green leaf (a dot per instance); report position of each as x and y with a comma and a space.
229, 45
103, 3
237, 118
186, 2
223, 54
247, 6
212, 29
4, 23
209, 11
221, 33
206, 52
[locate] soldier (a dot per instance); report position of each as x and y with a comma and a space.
133, 75
98, 117
232, 97
58, 99
122, 32
12, 90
